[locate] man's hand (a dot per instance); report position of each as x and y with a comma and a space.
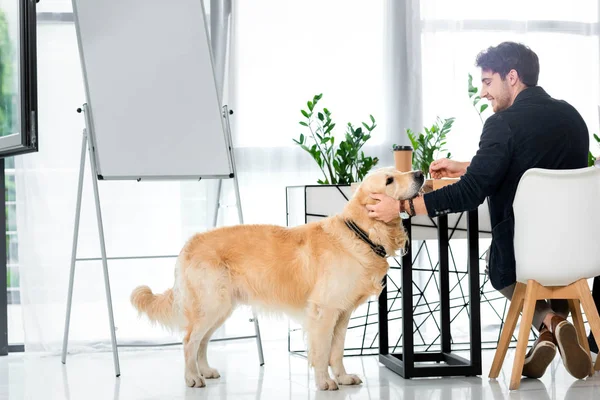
445, 168
386, 209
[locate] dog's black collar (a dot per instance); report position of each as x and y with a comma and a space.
377, 248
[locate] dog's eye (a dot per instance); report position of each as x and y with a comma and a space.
389, 180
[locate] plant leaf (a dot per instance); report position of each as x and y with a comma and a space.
483, 107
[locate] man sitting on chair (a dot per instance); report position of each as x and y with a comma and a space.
529, 129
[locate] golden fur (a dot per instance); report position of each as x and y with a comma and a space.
321, 271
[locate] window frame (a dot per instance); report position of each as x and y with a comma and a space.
26, 140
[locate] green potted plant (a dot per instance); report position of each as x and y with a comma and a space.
345, 163
475, 99
429, 146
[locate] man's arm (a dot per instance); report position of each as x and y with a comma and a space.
485, 173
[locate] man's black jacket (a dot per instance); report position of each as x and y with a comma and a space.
537, 131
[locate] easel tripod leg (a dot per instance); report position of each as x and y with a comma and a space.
240, 216
74, 251
261, 358
104, 263
236, 188
254, 317
217, 203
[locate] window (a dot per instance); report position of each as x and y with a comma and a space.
12, 258
18, 135
18, 91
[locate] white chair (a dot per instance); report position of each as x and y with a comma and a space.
557, 248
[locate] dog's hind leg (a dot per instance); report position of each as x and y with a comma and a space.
205, 369
191, 343
208, 306
320, 324
337, 352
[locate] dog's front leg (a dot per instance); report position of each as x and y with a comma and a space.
320, 325
337, 352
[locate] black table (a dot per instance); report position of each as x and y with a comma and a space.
406, 364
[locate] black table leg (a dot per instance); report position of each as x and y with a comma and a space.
408, 350
444, 282
406, 364
383, 319
474, 290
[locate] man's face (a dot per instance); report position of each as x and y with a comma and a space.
495, 90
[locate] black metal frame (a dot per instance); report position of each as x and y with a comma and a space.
406, 364
3, 267
459, 300
28, 141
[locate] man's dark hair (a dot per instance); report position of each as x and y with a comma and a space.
510, 55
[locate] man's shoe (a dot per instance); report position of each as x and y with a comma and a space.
576, 360
540, 355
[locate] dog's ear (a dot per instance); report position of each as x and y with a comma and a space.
363, 196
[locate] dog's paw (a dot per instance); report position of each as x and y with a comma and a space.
210, 373
327, 384
349, 379
194, 380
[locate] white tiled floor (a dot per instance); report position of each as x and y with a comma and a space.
158, 374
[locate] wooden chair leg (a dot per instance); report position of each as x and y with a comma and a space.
516, 304
523, 339
574, 305
591, 312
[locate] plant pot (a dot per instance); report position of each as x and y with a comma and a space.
310, 203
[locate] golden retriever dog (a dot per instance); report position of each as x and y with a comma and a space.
321, 271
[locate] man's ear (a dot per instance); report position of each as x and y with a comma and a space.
513, 76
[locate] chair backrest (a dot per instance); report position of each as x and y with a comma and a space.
557, 225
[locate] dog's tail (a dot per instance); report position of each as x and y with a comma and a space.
158, 307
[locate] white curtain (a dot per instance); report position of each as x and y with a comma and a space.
311, 47
277, 65
331, 47
403, 62
151, 219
